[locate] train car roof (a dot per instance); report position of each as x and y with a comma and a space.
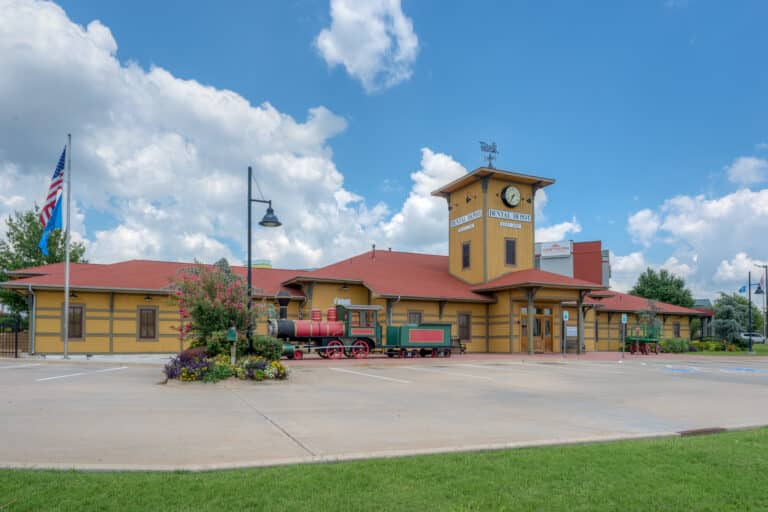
361, 307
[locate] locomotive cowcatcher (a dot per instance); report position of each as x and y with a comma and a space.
354, 331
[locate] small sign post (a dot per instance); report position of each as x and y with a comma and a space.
564, 342
623, 332
232, 339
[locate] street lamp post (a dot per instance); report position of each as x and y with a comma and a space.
765, 300
269, 221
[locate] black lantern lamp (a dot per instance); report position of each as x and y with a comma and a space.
270, 220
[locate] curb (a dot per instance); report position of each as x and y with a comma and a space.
392, 454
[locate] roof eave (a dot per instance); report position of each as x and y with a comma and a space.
481, 172
480, 300
25, 286
539, 285
311, 279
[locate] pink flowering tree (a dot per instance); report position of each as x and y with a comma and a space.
212, 299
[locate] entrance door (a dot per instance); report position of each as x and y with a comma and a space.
542, 329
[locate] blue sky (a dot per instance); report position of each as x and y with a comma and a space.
626, 104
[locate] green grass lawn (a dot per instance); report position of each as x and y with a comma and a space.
720, 472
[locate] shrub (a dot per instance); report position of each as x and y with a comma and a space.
267, 347
219, 369
193, 365
192, 360
216, 343
258, 369
193, 353
707, 346
674, 345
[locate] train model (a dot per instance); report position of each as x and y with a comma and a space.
354, 331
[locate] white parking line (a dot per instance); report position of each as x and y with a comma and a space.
18, 366
82, 373
432, 370
370, 375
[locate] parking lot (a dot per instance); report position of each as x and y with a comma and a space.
109, 415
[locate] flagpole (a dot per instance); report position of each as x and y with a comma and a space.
66, 250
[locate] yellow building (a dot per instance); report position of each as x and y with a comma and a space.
487, 287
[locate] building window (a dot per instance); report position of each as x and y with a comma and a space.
76, 321
676, 330
147, 323
414, 317
465, 327
465, 255
510, 251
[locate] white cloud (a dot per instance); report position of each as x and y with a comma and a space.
163, 160
423, 219
552, 233
747, 170
642, 226
557, 232
737, 269
712, 242
626, 269
677, 267
373, 39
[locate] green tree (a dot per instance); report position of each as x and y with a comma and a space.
211, 300
663, 287
732, 317
19, 249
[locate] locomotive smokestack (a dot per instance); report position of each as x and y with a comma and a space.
373, 254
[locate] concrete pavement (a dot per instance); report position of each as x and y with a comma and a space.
112, 415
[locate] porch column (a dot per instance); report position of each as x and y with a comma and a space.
529, 294
580, 314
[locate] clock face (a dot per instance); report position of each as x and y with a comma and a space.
511, 196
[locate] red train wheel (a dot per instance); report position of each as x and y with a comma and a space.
298, 354
334, 349
434, 352
360, 349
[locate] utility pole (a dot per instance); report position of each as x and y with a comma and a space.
765, 300
749, 311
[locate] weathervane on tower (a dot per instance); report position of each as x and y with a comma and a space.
491, 151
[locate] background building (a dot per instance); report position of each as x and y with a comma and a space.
499, 291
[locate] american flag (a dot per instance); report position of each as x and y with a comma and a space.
57, 182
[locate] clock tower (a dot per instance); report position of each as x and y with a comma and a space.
491, 223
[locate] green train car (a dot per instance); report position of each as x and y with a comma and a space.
426, 339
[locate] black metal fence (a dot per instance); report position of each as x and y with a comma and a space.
9, 337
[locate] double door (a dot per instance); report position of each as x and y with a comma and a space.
542, 329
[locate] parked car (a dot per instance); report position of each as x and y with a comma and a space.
756, 337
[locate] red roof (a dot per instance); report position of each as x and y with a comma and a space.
388, 274
145, 276
45, 269
535, 277
398, 274
624, 302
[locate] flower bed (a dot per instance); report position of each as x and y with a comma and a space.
194, 364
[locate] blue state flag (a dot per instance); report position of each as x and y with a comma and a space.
54, 223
